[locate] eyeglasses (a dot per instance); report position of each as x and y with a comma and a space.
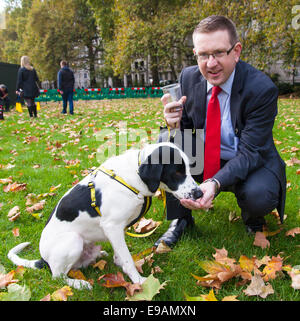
216, 55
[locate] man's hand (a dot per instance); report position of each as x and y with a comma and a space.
205, 202
172, 110
61, 92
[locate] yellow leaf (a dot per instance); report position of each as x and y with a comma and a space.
210, 296
62, 294
246, 264
76, 274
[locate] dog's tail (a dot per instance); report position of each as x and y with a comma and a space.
13, 256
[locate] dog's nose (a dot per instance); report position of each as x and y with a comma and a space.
196, 193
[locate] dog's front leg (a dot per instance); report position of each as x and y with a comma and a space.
122, 255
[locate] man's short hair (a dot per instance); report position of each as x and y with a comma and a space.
215, 23
64, 63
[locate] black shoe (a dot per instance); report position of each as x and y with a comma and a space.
175, 230
255, 226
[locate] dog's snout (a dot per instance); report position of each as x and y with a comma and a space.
196, 193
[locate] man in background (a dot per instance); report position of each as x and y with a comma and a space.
65, 84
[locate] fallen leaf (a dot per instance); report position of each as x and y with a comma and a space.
16, 231
12, 212
62, 294
230, 298
261, 240
144, 225
54, 188
162, 248
150, 288
293, 231
15, 292
6, 279
76, 274
100, 265
14, 187
273, 266
258, 287
36, 207
295, 276
132, 288
6, 180
113, 280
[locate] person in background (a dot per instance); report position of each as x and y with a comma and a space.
27, 86
65, 84
4, 96
236, 105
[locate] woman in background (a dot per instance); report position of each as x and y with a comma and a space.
27, 85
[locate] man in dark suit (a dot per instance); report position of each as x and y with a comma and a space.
240, 156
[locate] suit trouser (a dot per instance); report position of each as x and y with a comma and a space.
67, 96
257, 196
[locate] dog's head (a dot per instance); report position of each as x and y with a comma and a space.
167, 167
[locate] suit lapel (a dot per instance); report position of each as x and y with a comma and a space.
200, 101
235, 98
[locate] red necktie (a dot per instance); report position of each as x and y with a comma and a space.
213, 135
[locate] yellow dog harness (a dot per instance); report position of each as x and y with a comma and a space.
146, 205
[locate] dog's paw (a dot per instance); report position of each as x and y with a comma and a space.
78, 284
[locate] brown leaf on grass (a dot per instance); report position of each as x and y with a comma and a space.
162, 248
132, 288
62, 294
141, 262
293, 231
258, 287
156, 269
261, 240
12, 212
144, 225
113, 280
221, 256
30, 139
36, 207
16, 231
6, 279
273, 266
14, 187
6, 180
100, 265
292, 161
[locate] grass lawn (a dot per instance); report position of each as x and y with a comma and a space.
57, 149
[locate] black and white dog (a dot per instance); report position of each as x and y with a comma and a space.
68, 239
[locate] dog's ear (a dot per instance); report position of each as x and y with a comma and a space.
150, 175
151, 169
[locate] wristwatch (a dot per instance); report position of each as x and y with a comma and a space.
217, 184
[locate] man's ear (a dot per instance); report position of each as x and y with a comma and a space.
150, 175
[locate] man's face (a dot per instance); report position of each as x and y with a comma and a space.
216, 70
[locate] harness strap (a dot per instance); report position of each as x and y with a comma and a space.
146, 206
93, 198
112, 174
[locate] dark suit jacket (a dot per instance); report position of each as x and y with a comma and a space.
253, 105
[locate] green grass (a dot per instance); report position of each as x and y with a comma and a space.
72, 137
